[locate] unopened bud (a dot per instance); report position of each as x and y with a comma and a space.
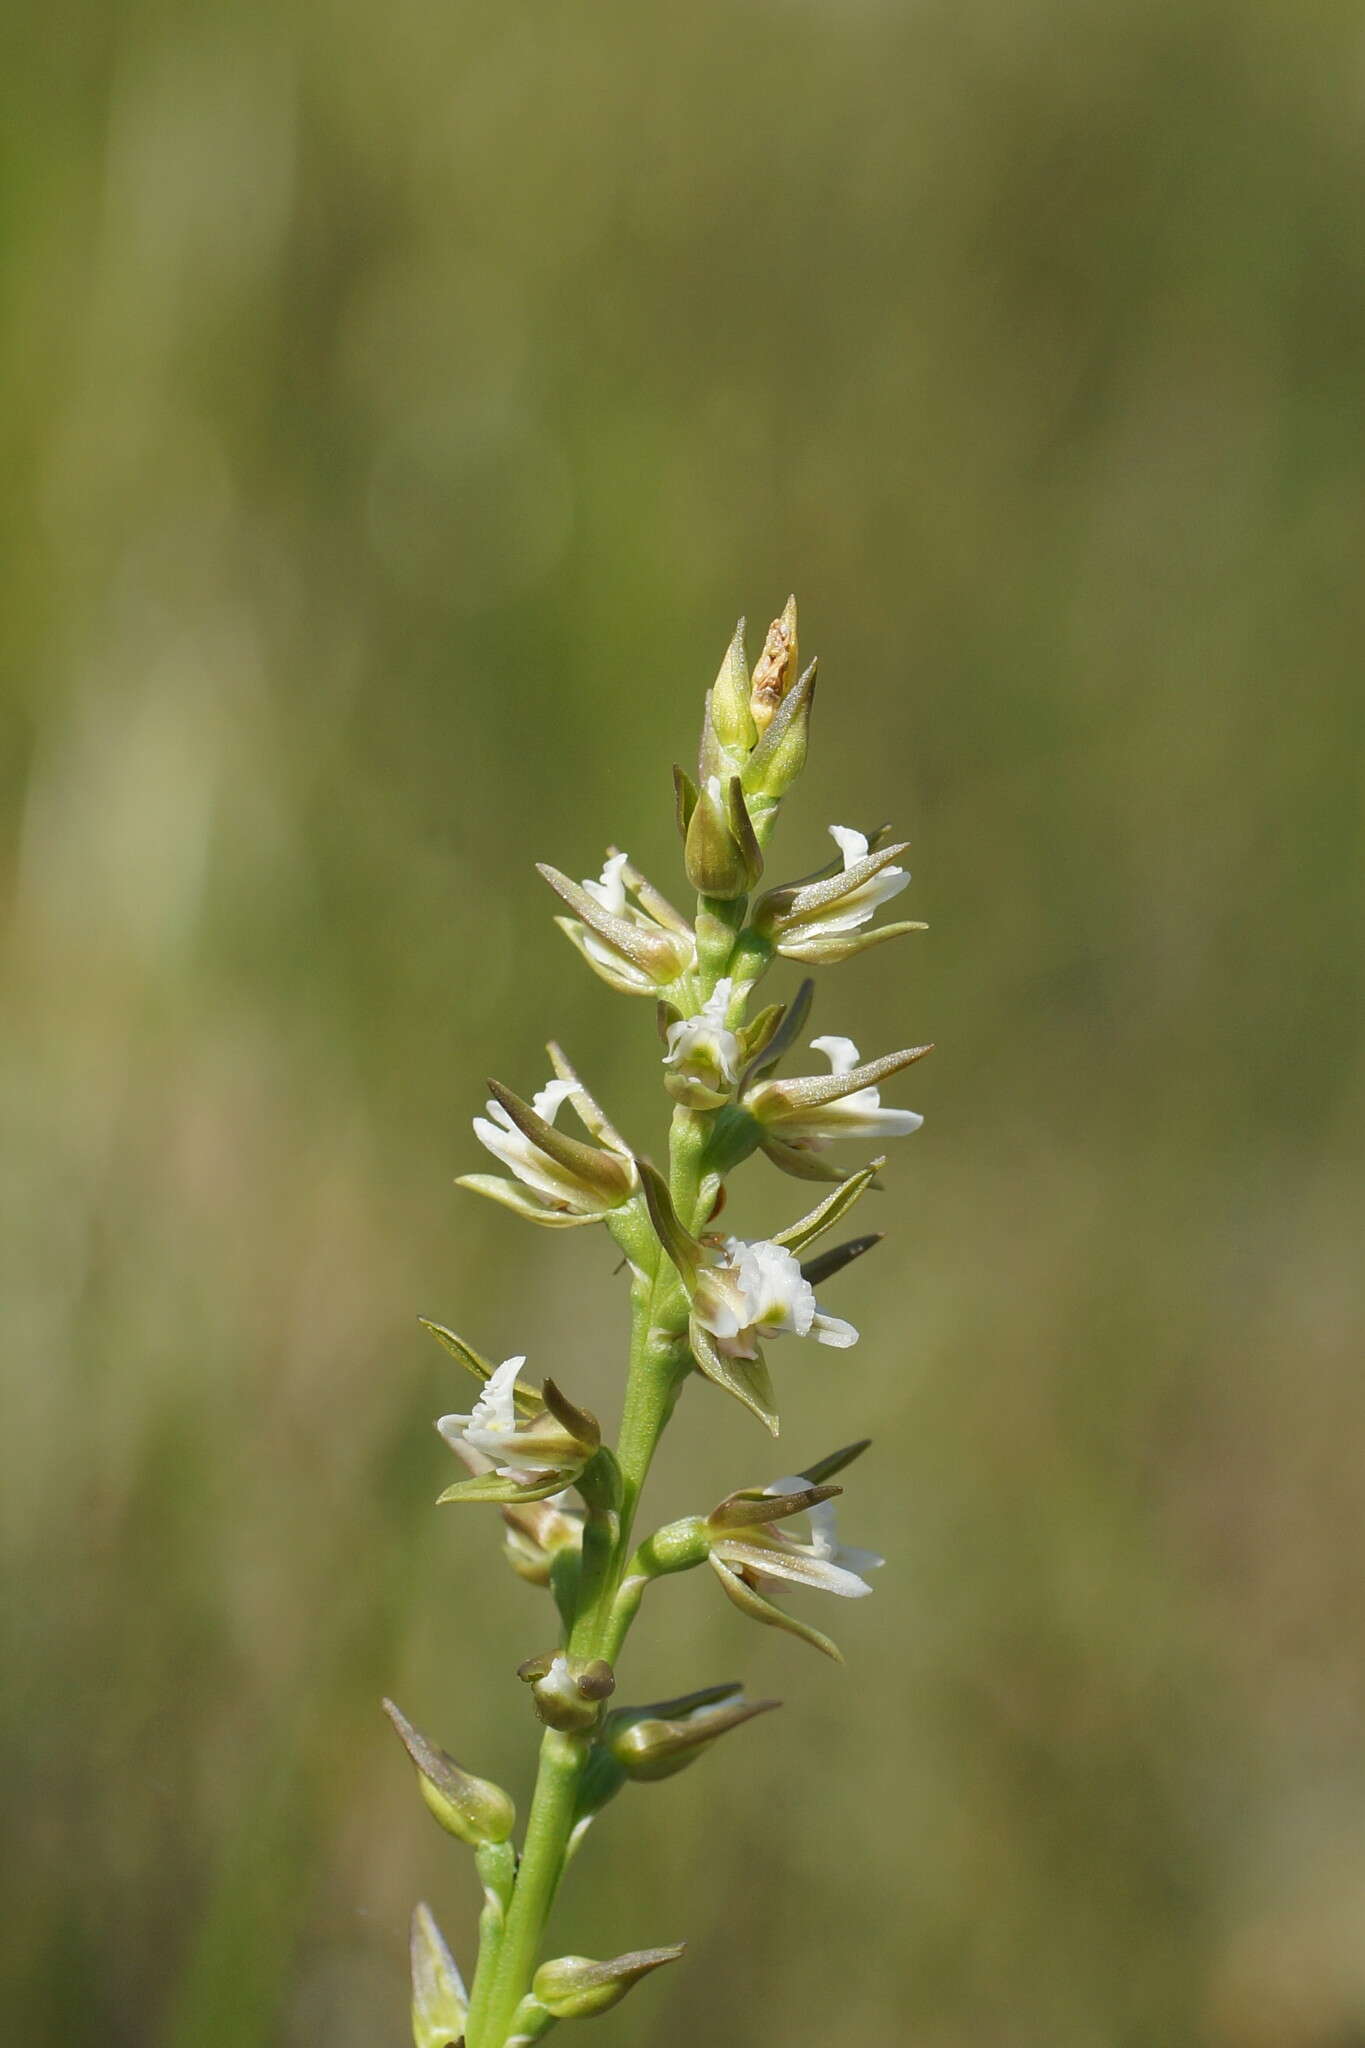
730, 711
473, 1809
721, 854
574, 1987
568, 1694
654, 1742
439, 1999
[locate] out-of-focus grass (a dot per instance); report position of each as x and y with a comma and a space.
400, 404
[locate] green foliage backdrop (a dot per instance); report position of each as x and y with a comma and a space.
400, 404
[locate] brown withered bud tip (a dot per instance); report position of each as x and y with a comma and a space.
773, 670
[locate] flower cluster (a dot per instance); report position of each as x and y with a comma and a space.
705, 1304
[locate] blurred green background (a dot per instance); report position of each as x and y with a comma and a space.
400, 404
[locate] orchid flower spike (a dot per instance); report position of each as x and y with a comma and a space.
701, 1302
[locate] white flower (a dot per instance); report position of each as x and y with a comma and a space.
492, 1427
757, 1291
822, 920
557, 1687
626, 931
610, 889
555, 1185
812, 1127
769, 1555
824, 1543
861, 903
702, 1049
528, 1448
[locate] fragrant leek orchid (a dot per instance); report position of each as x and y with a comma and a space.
703, 1306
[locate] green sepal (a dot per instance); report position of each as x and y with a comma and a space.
754, 1036
652, 900
782, 1037
834, 948
579, 1423
798, 1162
826, 1264
730, 713
780, 755
526, 1400
834, 1461
658, 954
606, 1173
795, 902
489, 1486
741, 827
797, 1236
681, 1247
512, 1195
758, 1609
685, 800
813, 1091
749, 1508
590, 1113
747, 1379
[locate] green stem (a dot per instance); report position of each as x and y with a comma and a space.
655, 1377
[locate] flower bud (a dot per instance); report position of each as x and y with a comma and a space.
568, 1693
721, 855
654, 1742
729, 710
439, 2000
472, 1809
574, 1987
